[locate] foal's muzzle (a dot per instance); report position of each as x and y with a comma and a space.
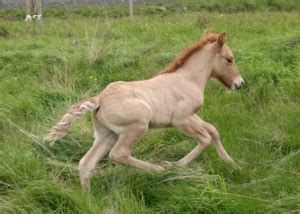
237, 83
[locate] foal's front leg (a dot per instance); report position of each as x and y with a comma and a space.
216, 138
193, 127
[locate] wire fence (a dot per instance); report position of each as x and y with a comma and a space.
49, 3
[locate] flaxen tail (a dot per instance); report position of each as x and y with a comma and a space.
62, 127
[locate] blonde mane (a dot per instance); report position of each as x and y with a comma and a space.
188, 52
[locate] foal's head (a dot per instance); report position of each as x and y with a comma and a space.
224, 67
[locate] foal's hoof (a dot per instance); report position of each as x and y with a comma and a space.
236, 166
233, 164
86, 188
168, 164
160, 169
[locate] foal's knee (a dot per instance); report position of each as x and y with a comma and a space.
206, 139
118, 157
202, 135
213, 132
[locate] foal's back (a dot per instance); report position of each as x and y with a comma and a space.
149, 101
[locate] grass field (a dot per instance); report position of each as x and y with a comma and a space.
77, 56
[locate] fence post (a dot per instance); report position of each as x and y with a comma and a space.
39, 16
131, 8
35, 7
28, 16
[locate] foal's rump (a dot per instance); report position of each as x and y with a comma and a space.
120, 115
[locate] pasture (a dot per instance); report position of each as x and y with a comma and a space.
76, 56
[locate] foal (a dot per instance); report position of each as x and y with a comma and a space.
124, 111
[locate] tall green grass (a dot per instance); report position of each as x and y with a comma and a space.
74, 58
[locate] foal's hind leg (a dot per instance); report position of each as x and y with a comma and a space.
87, 164
121, 152
104, 141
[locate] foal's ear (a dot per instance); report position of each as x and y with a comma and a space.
221, 39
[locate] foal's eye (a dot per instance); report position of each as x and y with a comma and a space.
229, 60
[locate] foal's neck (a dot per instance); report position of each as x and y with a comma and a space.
198, 67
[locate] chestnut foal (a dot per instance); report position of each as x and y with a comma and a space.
124, 111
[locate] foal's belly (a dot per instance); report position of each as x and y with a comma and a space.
159, 125
161, 117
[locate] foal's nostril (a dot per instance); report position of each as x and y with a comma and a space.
237, 86
243, 82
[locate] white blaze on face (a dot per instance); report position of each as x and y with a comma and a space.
237, 83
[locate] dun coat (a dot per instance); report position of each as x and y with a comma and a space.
124, 111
